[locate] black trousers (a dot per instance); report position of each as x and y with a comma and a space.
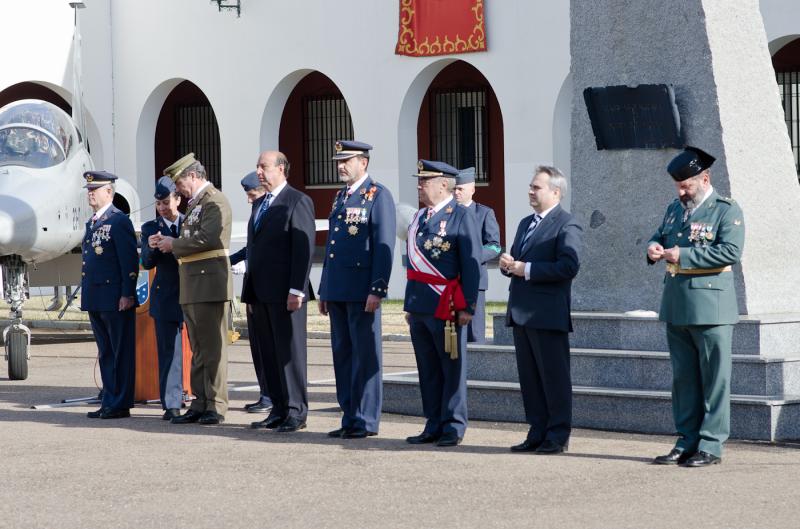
545, 381
281, 340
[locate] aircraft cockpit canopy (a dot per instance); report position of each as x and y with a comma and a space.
35, 134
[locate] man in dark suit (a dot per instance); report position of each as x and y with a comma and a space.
255, 195
108, 285
355, 279
164, 294
443, 258
280, 243
490, 239
543, 261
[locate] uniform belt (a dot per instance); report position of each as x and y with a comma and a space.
673, 270
210, 254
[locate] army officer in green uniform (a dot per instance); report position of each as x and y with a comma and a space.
206, 287
701, 237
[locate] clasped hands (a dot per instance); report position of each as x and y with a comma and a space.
510, 266
656, 252
161, 242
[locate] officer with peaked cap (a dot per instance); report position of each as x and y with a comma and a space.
700, 238
205, 287
355, 279
443, 272
490, 249
108, 285
255, 192
165, 308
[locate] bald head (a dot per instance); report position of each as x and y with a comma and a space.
272, 169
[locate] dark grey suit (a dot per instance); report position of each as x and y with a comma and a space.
490, 249
539, 312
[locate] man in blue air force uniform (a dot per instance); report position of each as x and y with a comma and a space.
108, 285
355, 279
443, 259
164, 294
490, 239
701, 237
255, 192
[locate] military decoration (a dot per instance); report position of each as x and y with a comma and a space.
448, 209
442, 228
436, 246
368, 195
194, 216
352, 229
353, 217
103, 233
701, 234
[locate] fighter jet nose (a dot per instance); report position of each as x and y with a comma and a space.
6, 228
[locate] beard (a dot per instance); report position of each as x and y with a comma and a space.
691, 203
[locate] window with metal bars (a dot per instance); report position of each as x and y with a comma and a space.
325, 120
789, 87
459, 130
196, 131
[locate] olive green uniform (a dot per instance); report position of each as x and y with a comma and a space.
699, 306
206, 289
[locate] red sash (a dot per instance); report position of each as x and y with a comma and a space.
452, 294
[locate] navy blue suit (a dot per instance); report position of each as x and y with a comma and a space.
166, 313
109, 272
539, 312
449, 243
255, 354
490, 249
358, 262
279, 254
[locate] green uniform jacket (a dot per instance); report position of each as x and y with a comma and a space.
713, 237
207, 226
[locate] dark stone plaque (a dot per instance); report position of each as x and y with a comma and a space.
641, 117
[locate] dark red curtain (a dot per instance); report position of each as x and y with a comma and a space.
440, 27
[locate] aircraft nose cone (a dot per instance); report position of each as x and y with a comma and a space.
6, 228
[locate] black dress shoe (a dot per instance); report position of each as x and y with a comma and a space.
549, 447
95, 414
526, 446
423, 438
171, 414
702, 459
676, 456
291, 424
449, 439
270, 423
337, 433
111, 413
248, 406
258, 407
210, 417
357, 433
188, 417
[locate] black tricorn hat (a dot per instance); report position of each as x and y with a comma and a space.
691, 162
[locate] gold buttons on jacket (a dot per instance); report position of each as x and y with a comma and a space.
331, 256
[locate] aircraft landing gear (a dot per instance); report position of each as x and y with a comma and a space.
16, 337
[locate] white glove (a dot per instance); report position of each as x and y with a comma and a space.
239, 268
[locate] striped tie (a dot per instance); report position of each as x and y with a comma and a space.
262, 210
534, 223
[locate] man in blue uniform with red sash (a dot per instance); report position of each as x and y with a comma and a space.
443, 259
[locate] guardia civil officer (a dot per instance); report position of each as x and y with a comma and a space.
490, 249
355, 279
205, 287
108, 282
255, 192
700, 238
443, 249
164, 296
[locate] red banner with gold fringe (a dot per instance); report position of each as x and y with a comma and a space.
440, 27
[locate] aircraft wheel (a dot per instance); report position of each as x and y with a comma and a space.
17, 354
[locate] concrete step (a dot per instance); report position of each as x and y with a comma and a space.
644, 370
775, 335
768, 418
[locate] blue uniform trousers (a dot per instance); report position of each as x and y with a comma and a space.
170, 362
442, 381
357, 362
115, 333
477, 325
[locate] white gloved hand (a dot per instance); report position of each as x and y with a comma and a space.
239, 268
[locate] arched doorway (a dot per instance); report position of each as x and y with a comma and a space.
187, 123
460, 123
786, 62
314, 117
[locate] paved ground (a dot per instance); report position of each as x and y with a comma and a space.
61, 470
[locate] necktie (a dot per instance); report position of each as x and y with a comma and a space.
94, 219
262, 209
534, 223
686, 214
428, 215
174, 230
